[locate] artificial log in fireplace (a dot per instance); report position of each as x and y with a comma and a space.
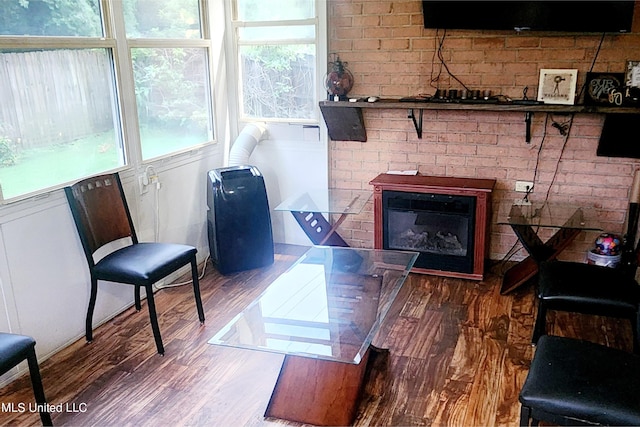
445, 219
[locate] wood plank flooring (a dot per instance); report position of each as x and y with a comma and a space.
459, 353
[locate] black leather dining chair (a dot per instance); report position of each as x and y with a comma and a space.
15, 349
576, 382
101, 215
589, 289
594, 289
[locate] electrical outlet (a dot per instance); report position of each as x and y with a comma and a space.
521, 202
143, 183
524, 186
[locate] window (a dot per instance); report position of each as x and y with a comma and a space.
170, 69
61, 115
276, 50
51, 18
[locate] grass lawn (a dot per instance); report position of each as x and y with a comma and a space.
60, 163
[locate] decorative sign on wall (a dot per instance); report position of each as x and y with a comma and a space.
632, 83
604, 89
633, 74
557, 86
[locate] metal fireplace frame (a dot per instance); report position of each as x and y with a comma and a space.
480, 189
418, 222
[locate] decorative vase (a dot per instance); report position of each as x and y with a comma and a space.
339, 80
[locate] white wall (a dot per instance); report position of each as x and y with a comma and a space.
44, 279
293, 159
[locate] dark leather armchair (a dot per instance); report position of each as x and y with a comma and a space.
101, 215
14, 349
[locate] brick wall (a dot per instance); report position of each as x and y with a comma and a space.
391, 55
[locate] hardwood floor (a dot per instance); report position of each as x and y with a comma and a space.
459, 353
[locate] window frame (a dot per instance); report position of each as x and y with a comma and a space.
114, 40
125, 46
81, 43
236, 24
170, 44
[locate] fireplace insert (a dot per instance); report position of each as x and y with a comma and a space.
439, 226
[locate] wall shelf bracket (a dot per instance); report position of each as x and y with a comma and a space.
527, 121
416, 123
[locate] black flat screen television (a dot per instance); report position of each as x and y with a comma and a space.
550, 15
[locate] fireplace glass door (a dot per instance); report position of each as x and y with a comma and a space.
438, 226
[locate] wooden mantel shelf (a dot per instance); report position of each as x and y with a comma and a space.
395, 104
345, 122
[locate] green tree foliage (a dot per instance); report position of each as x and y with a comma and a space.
167, 91
50, 18
169, 81
7, 156
278, 81
162, 19
261, 10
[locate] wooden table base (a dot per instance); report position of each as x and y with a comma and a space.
319, 392
318, 229
539, 251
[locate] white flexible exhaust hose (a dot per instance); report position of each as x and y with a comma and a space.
245, 143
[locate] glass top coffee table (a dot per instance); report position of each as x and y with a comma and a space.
526, 219
307, 208
332, 200
322, 313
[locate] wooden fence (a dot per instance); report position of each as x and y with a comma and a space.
55, 96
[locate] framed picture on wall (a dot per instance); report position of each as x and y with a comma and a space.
632, 83
604, 89
557, 86
632, 78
